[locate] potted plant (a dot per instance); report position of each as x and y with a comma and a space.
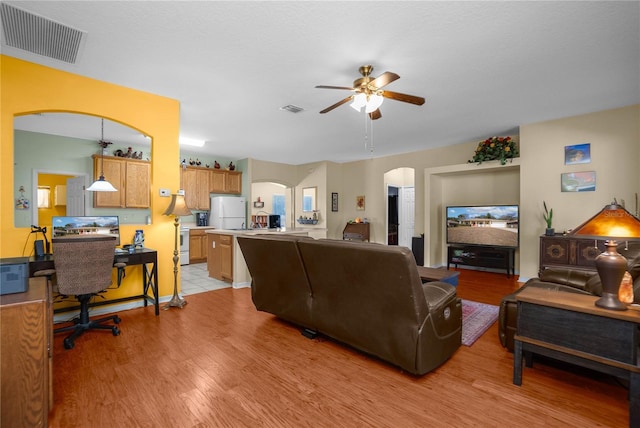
548, 217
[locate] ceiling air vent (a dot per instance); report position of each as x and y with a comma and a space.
292, 108
33, 33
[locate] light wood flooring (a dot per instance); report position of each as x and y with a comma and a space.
220, 363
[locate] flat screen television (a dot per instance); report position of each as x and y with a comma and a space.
488, 225
86, 225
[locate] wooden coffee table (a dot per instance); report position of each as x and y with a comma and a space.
428, 274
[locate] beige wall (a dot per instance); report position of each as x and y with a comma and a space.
443, 176
614, 136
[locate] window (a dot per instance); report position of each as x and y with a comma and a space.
279, 207
44, 197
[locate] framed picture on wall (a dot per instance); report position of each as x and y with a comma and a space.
334, 202
360, 203
578, 181
578, 153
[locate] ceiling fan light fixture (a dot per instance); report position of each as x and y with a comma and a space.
359, 101
374, 102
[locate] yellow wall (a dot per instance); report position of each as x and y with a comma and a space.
29, 88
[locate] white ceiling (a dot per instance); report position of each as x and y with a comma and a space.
484, 68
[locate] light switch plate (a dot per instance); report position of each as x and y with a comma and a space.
165, 192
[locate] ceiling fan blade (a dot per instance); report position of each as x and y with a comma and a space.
335, 87
338, 104
403, 97
384, 79
375, 114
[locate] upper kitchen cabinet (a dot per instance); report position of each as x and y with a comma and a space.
233, 182
132, 178
199, 182
196, 183
223, 181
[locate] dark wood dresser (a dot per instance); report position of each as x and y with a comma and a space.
579, 252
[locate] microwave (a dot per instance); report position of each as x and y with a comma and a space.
274, 221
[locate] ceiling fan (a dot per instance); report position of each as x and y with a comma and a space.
368, 93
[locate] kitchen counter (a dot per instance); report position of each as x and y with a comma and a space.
190, 226
218, 258
258, 231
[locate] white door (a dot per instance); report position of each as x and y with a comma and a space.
406, 216
75, 196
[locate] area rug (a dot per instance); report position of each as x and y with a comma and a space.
476, 319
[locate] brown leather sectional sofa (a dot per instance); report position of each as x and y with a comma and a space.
561, 279
368, 296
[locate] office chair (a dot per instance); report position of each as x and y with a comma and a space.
83, 266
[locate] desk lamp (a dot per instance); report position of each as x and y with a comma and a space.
613, 221
178, 207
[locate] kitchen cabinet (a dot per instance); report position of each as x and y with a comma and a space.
196, 183
220, 256
132, 178
26, 355
197, 246
199, 182
233, 182
223, 181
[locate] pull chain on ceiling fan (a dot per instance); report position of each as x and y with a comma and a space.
368, 93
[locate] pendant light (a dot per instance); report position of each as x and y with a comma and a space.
102, 185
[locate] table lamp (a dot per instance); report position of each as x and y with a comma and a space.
613, 221
178, 207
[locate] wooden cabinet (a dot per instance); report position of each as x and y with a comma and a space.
220, 256
197, 246
26, 355
577, 252
132, 178
483, 256
218, 182
196, 183
199, 182
356, 232
233, 182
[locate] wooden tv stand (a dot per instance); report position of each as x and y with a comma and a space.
482, 256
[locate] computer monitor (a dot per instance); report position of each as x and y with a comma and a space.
86, 225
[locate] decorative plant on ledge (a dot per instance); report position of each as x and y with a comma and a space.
495, 148
548, 218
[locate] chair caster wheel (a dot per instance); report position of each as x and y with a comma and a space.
68, 344
117, 320
116, 331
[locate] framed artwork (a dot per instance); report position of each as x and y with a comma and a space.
578, 181
334, 202
576, 154
360, 203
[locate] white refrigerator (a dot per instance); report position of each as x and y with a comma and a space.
228, 212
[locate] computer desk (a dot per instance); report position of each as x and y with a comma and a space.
146, 257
